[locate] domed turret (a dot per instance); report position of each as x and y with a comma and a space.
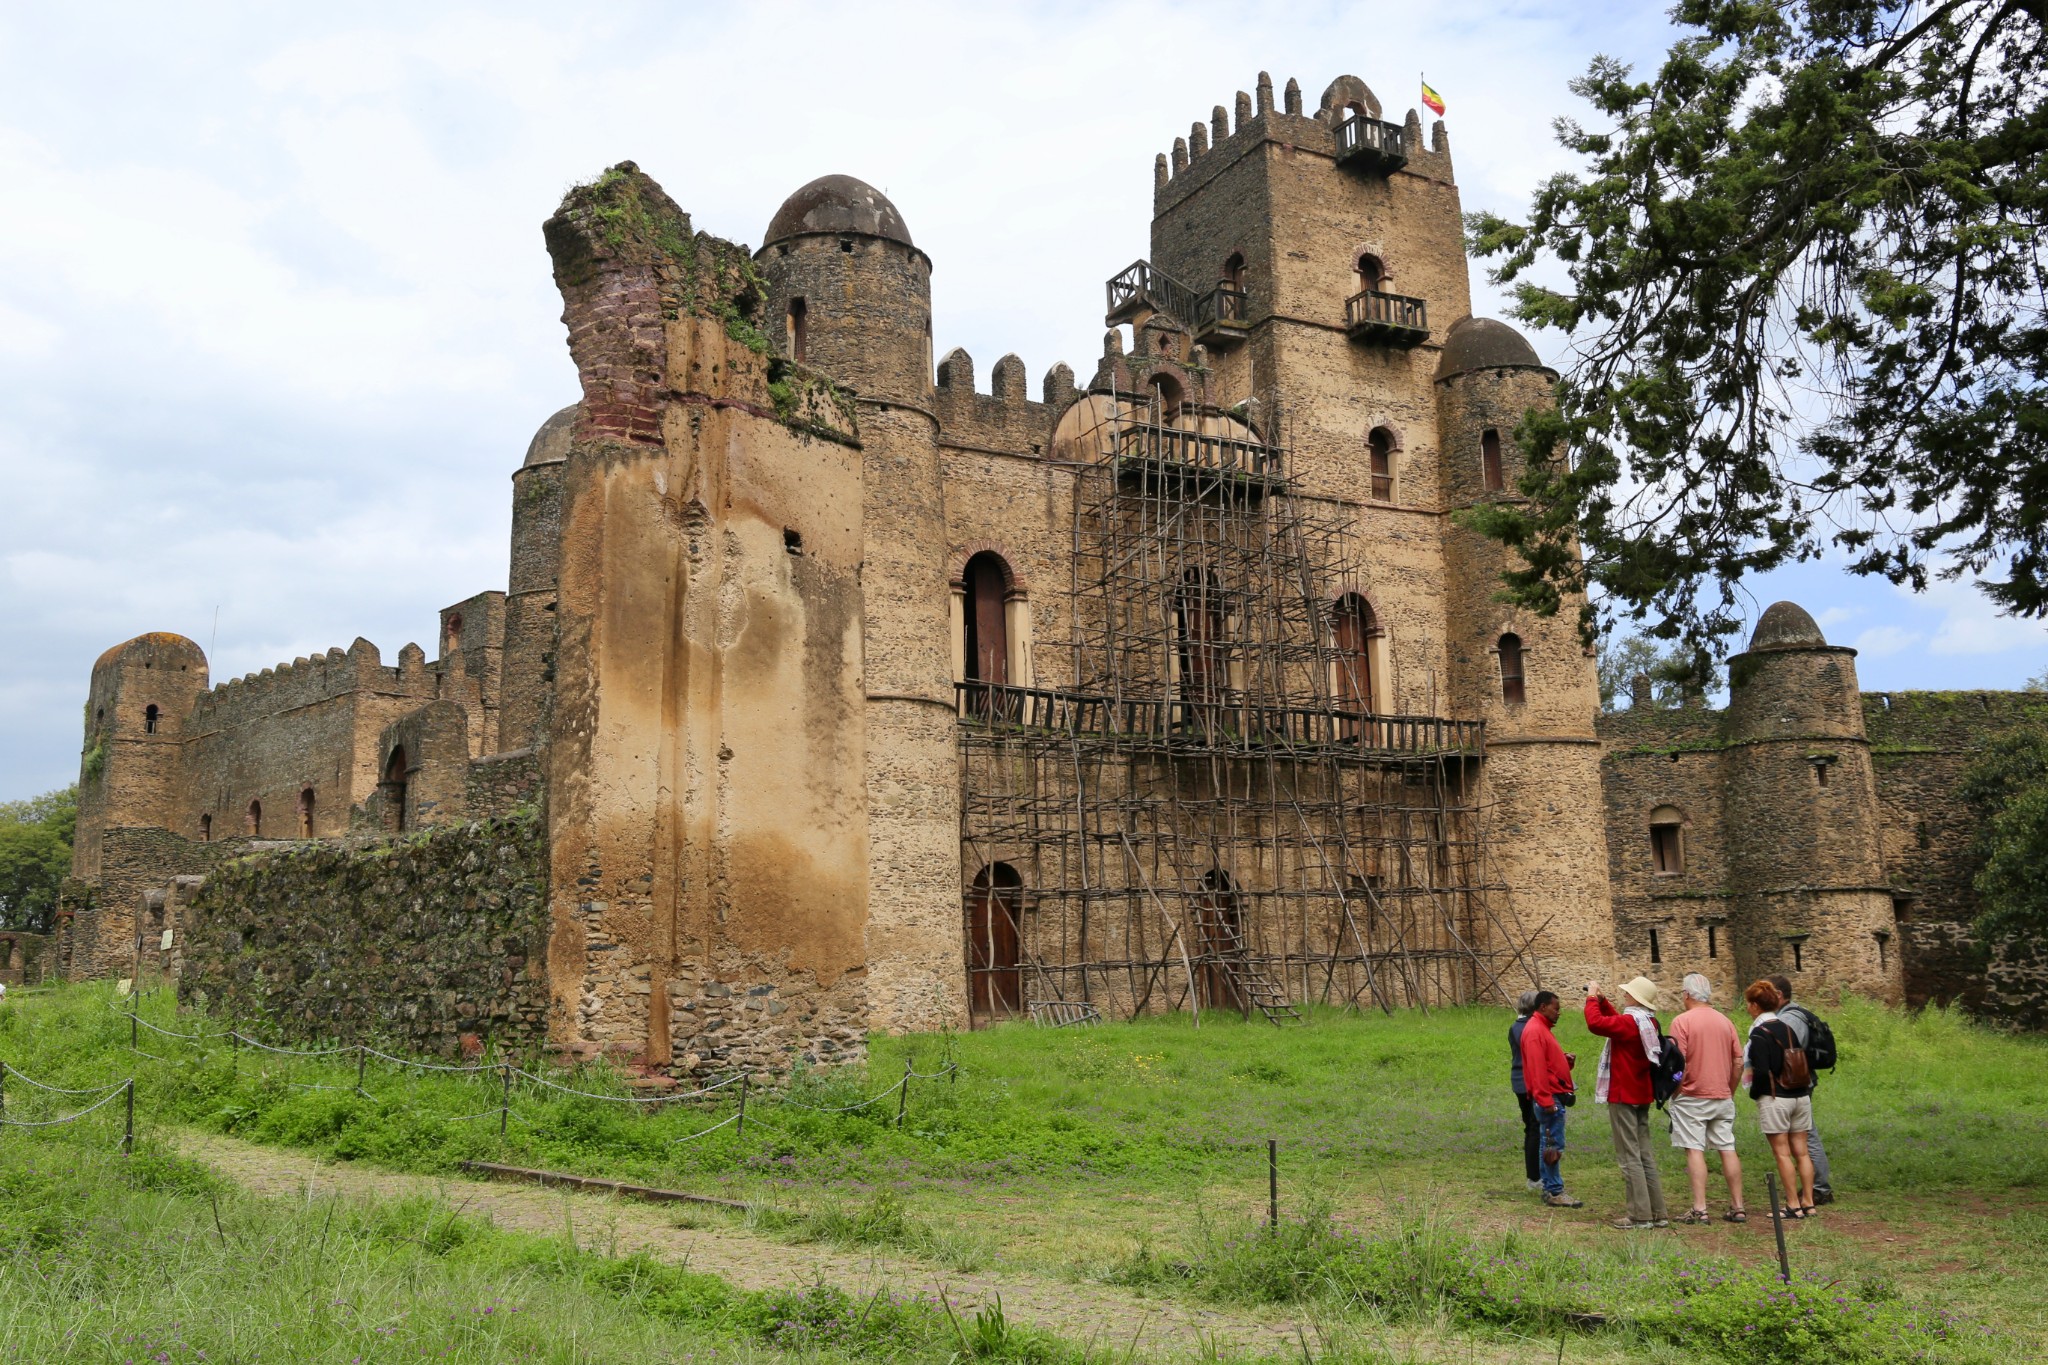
531, 581
849, 290
1485, 344
1785, 625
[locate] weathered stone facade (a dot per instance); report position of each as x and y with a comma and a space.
760, 569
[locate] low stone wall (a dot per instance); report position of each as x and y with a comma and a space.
433, 941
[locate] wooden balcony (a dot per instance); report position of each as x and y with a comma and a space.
1216, 317
1371, 145
1379, 319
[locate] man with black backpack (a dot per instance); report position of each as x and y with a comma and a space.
1814, 1036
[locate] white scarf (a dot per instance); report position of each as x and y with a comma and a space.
1646, 1025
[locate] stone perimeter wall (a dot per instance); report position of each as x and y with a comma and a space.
433, 941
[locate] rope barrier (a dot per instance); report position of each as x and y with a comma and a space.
52, 1123
58, 1089
293, 1052
846, 1108
692, 1137
628, 1099
168, 1033
426, 1066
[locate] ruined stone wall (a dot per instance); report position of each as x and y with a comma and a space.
23, 957
416, 941
1921, 743
97, 936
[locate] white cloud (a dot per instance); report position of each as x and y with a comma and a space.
1881, 641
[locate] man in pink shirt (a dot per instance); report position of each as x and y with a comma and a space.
1703, 1110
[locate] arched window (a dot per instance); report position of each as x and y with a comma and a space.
1371, 274
799, 328
1380, 451
1353, 627
1512, 690
254, 819
1219, 932
1166, 396
306, 813
451, 637
149, 715
1233, 271
994, 938
1667, 841
392, 789
206, 829
1489, 461
1203, 652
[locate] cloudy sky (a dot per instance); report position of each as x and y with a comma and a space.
276, 320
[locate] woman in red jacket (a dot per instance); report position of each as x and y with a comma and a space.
1624, 1086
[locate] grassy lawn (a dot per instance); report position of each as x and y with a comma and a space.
1135, 1154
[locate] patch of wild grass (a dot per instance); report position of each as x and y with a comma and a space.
1426, 1270
882, 1219
104, 1258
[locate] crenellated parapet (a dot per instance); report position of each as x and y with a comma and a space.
1228, 135
309, 681
1005, 418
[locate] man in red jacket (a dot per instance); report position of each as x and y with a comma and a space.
1624, 1086
1547, 1072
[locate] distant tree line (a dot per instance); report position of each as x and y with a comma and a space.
35, 857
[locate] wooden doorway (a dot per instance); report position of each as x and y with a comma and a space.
1219, 933
995, 977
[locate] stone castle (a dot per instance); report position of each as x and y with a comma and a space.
829, 692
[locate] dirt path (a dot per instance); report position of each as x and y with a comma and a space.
1078, 1312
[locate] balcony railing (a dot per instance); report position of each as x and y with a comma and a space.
1371, 144
1164, 443
1390, 319
1224, 723
1211, 316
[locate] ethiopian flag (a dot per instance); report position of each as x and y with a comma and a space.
1432, 101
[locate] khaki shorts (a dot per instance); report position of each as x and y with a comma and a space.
1778, 1115
1698, 1125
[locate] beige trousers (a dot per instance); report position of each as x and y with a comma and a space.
1637, 1155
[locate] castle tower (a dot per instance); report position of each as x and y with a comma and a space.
1343, 237
852, 295
141, 694
1805, 863
531, 584
1526, 676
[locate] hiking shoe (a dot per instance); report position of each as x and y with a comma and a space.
1627, 1224
1535, 1185
1563, 1201
1661, 1223
1823, 1194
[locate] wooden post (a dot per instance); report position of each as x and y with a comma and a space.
1273, 1184
235, 1046
1778, 1226
362, 1062
740, 1124
505, 1104
903, 1095
128, 1139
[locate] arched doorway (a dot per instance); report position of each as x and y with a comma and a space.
1353, 627
392, 789
995, 978
1203, 653
988, 634
1219, 934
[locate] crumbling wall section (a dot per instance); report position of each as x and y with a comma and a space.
434, 941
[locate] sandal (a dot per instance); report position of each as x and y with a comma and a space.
1735, 1216
1697, 1216
1789, 1214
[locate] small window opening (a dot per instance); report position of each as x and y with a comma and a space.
1798, 954
1920, 833
99, 717
1883, 942
1380, 448
1667, 841
1489, 460
1820, 772
306, 813
1713, 940
149, 715
846, 244
1372, 275
799, 328
1656, 949
792, 540
254, 819
1513, 690
206, 829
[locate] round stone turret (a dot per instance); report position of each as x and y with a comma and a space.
532, 583
849, 293
1484, 344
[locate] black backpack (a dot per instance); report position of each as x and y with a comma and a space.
1820, 1039
1667, 1073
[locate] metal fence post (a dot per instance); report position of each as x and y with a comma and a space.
134, 1039
740, 1124
362, 1061
903, 1095
128, 1138
1273, 1184
1778, 1226
505, 1104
